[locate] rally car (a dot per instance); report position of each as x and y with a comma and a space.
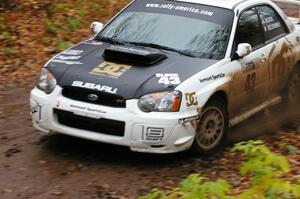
165, 76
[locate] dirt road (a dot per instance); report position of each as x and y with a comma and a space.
32, 166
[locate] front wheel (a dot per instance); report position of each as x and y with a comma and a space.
212, 127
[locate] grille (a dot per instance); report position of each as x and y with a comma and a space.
104, 126
105, 99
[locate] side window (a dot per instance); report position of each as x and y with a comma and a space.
249, 29
271, 22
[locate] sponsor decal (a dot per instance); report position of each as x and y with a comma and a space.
66, 62
61, 57
273, 26
168, 78
110, 69
69, 60
153, 134
191, 99
72, 52
189, 119
268, 20
93, 42
250, 82
213, 77
93, 86
269, 23
248, 66
92, 110
180, 8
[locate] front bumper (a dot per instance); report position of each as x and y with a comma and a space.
143, 132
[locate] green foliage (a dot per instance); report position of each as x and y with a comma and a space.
95, 7
82, 12
73, 24
62, 45
194, 187
296, 190
263, 167
51, 29
261, 162
8, 39
291, 149
9, 52
57, 7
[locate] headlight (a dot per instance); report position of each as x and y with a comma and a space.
47, 81
160, 102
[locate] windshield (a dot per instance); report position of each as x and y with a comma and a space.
195, 30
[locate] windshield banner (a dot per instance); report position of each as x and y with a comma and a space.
208, 13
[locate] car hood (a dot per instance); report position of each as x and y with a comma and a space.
85, 66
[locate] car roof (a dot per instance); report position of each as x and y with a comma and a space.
230, 4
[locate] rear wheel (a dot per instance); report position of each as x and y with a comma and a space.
292, 92
212, 127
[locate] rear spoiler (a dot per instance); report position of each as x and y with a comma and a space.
293, 2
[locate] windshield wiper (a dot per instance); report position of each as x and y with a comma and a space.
151, 45
160, 47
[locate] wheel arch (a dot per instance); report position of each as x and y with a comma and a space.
297, 65
221, 95
220, 99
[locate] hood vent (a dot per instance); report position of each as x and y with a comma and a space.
133, 55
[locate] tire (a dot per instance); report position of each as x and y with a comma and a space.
292, 91
211, 131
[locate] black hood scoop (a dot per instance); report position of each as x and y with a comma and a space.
133, 55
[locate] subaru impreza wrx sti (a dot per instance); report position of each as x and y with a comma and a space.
165, 76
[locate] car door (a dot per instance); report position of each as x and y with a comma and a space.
281, 58
250, 82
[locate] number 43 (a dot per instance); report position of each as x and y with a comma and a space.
169, 80
250, 82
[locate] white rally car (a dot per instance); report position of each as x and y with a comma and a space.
165, 76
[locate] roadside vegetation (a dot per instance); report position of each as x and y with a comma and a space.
32, 31
264, 170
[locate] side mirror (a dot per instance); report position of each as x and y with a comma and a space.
243, 50
96, 27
